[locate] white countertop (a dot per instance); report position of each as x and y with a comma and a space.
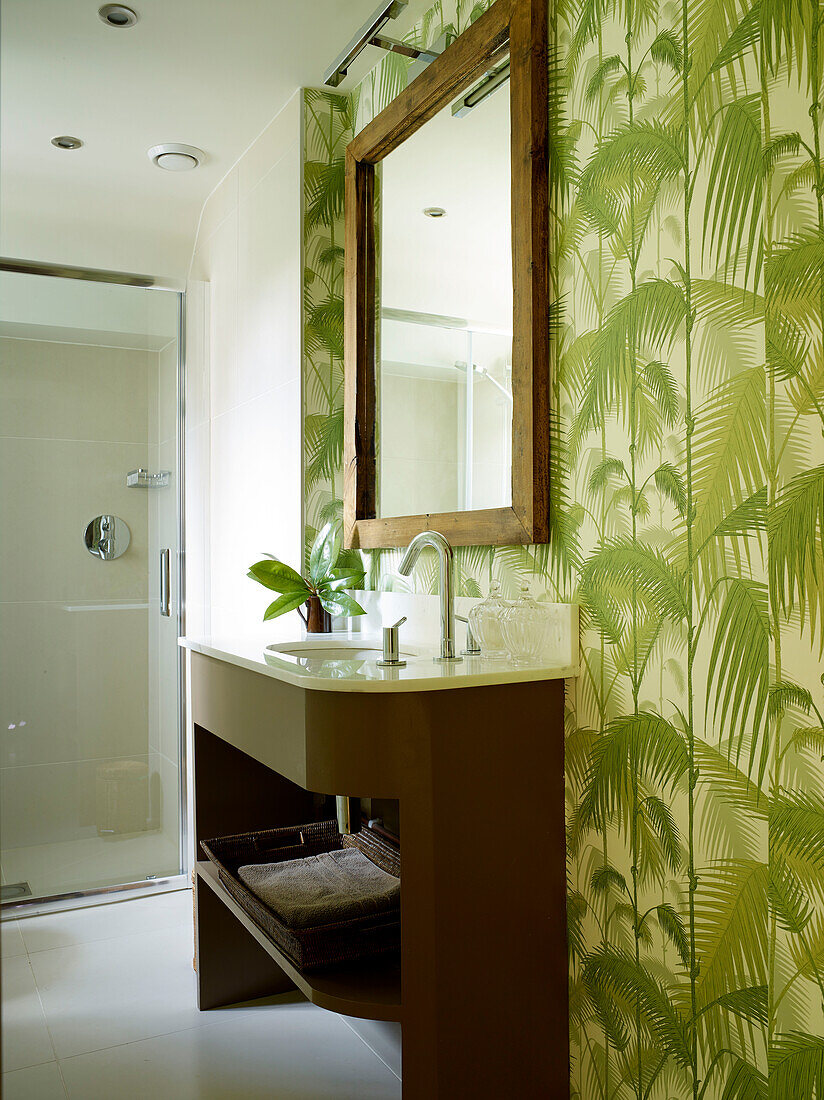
360, 671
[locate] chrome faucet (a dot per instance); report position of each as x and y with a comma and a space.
444, 550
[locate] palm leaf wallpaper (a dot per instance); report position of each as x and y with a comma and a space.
688, 490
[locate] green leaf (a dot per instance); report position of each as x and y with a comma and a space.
796, 1066
663, 825
287, 602
734, 814
341, 579
601, 473
648, 319
810, 738
323, 188
666, 50
735, 187
790, 904
793, 276
748, 518
739, 669
731, 927
744, 1082
323, 440
796, 540
325, 551
729, 451
673, 928
785, 694
782, 145
743, 38
621, 575
596, 83
632, 988
323, 330
661, 384
797, 834
670, 484
648, 148
277, 576
605, 877
340, 603
639, 747
577, 908
750, 1003
350, 561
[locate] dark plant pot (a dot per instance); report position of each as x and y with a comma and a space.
318, 620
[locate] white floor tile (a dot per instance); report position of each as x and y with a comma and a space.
36, 1083
26, 1039
119, 990
106, 922
11, 939
121, 1016
382, 1038
283, 1051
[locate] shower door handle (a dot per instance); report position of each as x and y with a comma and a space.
164, 583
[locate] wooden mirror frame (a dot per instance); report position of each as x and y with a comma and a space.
520, 28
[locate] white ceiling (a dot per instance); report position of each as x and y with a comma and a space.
209, 73
459, 265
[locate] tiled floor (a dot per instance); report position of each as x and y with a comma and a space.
100, 1003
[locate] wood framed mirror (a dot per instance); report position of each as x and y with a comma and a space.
511, 36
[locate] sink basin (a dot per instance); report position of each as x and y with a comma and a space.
331, 649
326, 653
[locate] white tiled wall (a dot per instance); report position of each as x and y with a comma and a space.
243, 401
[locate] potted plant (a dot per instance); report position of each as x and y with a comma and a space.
321, 591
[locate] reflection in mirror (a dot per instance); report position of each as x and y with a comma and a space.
444, 326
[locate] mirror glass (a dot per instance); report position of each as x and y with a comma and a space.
444, 324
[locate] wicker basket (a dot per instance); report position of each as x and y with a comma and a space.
323, 945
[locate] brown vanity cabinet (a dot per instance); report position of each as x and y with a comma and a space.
481, 984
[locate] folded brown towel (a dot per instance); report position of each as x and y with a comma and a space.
323, 889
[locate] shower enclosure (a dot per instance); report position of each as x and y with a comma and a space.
92, 783
445, 414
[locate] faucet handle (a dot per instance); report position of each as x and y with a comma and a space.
391, 649
472, 647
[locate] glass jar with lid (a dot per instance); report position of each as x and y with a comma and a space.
525, 627
485, 620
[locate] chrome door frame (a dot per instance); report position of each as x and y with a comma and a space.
13, 910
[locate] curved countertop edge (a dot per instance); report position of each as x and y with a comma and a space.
420, 674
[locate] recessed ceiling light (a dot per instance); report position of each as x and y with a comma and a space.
118, 15
434, 212
176, 158
65, 141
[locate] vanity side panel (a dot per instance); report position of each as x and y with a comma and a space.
485, 970
259, 715
232, 966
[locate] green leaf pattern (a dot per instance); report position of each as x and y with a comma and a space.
687, 480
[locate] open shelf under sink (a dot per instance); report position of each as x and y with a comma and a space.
367, 988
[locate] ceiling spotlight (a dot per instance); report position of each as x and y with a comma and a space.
434, 212
176, 158
118, 15
65, 141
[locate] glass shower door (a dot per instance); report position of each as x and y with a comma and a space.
90, 607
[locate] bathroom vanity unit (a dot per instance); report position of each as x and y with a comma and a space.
474, 752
